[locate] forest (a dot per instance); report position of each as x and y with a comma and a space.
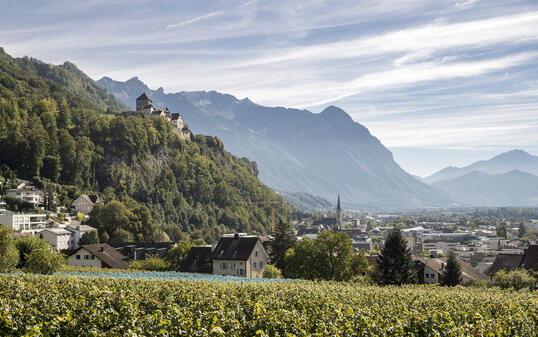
60, 129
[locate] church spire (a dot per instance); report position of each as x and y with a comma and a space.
339, 214
338, 204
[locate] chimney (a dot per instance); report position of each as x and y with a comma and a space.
102, 248
236, 236
442, 266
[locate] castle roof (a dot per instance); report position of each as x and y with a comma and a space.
143, 97
176, 116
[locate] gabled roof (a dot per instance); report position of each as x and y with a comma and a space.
197, 260
57, 231
530, 259
143, 97
325, 221
506, 262
108, 255
234, 248
91, 198
468, 273
176, 116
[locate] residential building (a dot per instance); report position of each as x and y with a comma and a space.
85, 203
142, 250
35, 197
59, 238
99, 255
429, 270
506, 262
238, 255
21, 222
197, 260
77, 232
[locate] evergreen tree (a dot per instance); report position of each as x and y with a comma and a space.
451, 276
283, 240
395, 263
90, 238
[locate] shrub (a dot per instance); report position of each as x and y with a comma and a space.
150, 264
271, 271
27, 245
9, 256
44, 261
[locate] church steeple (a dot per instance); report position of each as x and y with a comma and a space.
339, 213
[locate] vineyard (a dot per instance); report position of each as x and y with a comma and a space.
103, 306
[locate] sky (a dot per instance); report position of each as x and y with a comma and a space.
441, 82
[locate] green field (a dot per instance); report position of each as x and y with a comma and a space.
101, 306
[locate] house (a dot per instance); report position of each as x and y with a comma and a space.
142, 250
506, 262
35, 197
197, 260
85, 203
100, 256
21, 222
59, 238
78, 232
530, 258
239, 255
429, 270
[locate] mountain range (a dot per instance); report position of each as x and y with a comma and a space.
323, 154
502, 163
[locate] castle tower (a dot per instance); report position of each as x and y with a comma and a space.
144, 103
339, 214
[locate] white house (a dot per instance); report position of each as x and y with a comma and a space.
78, 232
99, 255
59, 238
23, 222
239, 255
35, 197
85, 203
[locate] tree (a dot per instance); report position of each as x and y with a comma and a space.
271, 271
121, 235
283, 240
501, 231
330, 257
9, 256
151, 263
516, 279
451, 276
522, 229
90, 238
27, 245
177, 254
395, 263
44, 261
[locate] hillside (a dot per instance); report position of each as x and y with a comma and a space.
48, 130
513, 188
323, 154
307, 202
502, 163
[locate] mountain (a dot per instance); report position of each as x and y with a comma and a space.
504, 162
55, 131
512, 188
322, 154
307, 202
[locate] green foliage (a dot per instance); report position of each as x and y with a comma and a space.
177, 254
516, 279
53, 125
283, 240
531, 235
501, 231
328, 257
271, 271
90, 238
27, 245
150, 264
17, 205
44, 261
522, 229
395, 263
9, 256
80, 306
451, 276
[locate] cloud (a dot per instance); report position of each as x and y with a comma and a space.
466, 4
194, 20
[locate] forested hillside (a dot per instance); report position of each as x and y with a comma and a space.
57, 129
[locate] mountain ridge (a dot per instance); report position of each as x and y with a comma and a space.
322, 154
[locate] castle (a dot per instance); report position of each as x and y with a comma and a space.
145, 105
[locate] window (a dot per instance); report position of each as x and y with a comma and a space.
86, 257
78, 257
232, 266
254, 265
93, 257
261, 264
256, 253
223, 265
241, 272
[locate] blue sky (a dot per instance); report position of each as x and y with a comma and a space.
438, 82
